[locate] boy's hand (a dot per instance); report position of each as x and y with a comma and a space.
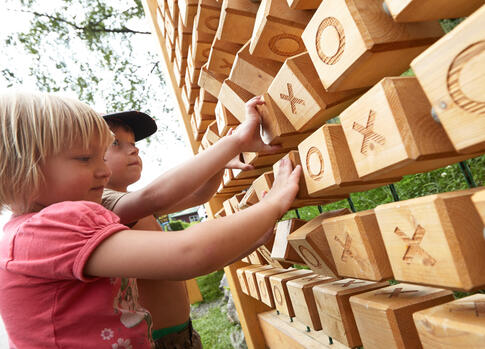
236, 162
249, 132
285, 186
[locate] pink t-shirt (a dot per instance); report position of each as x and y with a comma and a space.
47, 302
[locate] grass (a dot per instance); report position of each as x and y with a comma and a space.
214, 327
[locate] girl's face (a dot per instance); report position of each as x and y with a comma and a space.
73, 175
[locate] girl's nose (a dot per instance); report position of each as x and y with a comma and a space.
103, 170
133, 150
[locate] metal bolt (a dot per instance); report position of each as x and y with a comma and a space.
330, 340
435, 116
277, 312
443, 105
308, 329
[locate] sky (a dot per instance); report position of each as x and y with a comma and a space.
163, 152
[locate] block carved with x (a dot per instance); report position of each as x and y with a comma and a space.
413, 246
369, 134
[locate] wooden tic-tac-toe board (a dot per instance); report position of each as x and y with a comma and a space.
313, 61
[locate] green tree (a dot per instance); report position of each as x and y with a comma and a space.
100, 50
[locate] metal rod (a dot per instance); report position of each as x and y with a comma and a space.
320, 209
465, 169
351, 204
297, 214
394, 192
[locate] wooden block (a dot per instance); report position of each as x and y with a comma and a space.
256, 258
266, 254
205, 107
435, 240
201, 46
237, 20
230, 181
252, 282
234, 98
282, 250
195, 132
303, 300
333, 306
273, 121
310, 242
221, 213
212, 82
228, 209
179, 74
300, 95
328, 168
357, 247
252, 73
263, 184
277, 30
451, 76
304, 4
225, 119
184, 40
231, 190
355, 44
385, 317
245, 260
202, 121
210, 136
250, 198
242, 277
189, 107
192, 89
264, 286
192, 70
222, 56
280, 291
170, 49
187, 12
420, 11
391, 133
234, 201
262, 160
458, 324
479, 202
207, 18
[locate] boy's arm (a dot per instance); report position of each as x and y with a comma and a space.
200, 249
185, 179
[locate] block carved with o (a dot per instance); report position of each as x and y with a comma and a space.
435, 240
355, 44
310, 242
237, 20
384, 317
282, 250
333, 306
458, 324
252, 282
451, 74
390, 131
280, 290
357, 247
222, 56
328, 167
264, 286
207, 18
277, 30
303, 300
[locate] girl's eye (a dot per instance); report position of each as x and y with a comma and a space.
84, 158
116, 142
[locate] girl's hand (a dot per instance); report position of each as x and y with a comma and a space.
285, 186
249, 132
236, 162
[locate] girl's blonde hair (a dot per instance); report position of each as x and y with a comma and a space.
32, 127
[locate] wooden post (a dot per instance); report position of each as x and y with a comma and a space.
237, 20
458, 324
282, 250
300, 95
252, 73
355, 44
277, 30
357, 247
390, 131
328, 168
385, 317
435, 240
452, 78
280, 291
304, 4
333, 306
303, 300
420, 11
234, 98
264, 286
310, 242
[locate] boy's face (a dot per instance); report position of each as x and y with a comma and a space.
123, 160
